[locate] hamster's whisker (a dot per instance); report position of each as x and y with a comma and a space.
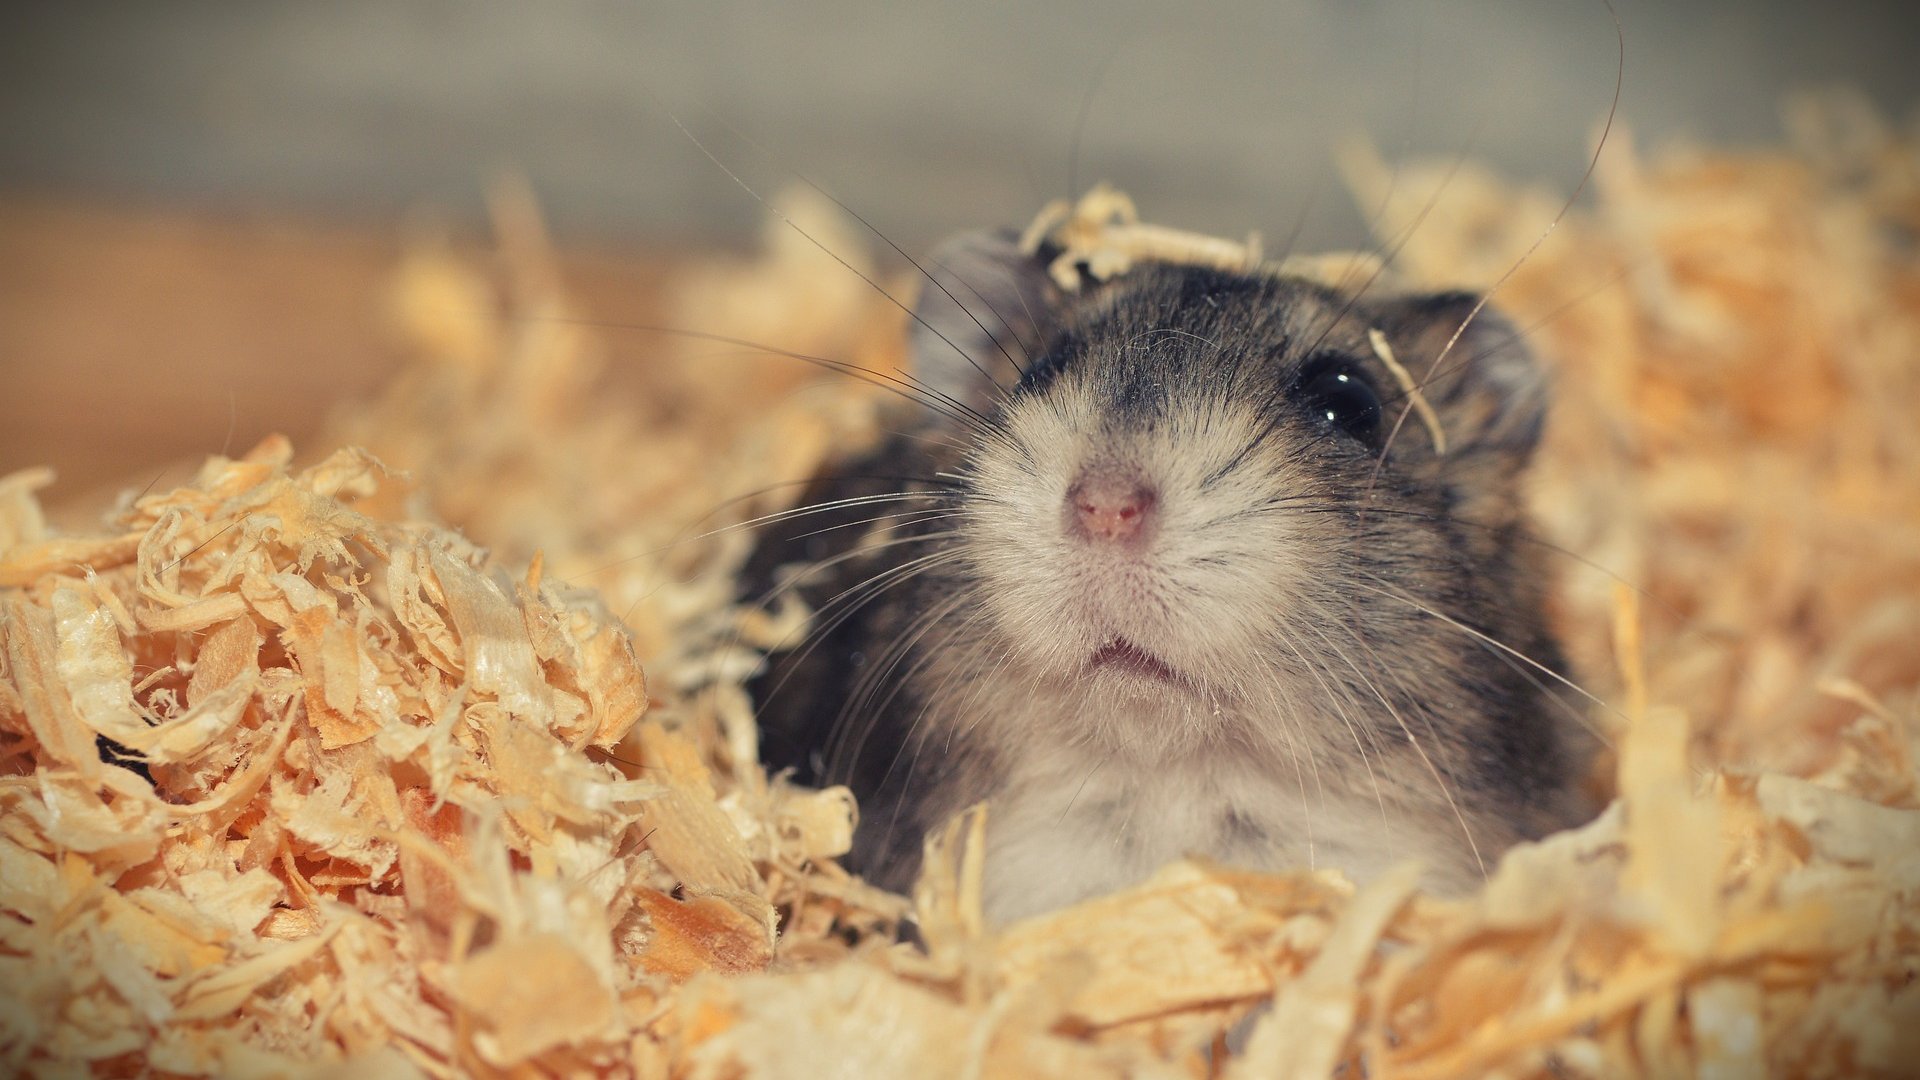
1514, 660
849, 267
904, 386
1271, 699
1306, 805
1301, 504
999, 391
784, 515
871, 712
811, 509
1296, 741
1593, 162
912, 732
943, 441
885, 239
881, 581
817, 633
1033, 322
1522, 335
1495, 643
1126, 822
1573, 712
1169, 331
837, 763
1384, 258
813, 569
1508, 530
860, 701
893, 522
999, 665
1433, 768
1340, 702
873, 587
860, 713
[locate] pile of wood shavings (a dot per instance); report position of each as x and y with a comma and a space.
414, 810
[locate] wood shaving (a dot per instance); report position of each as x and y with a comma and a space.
1101, 235
331, 767
1422, 407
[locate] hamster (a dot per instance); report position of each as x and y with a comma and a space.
1136, 572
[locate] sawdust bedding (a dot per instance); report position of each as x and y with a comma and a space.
452, 772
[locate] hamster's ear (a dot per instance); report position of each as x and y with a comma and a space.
1489, 391
984, 316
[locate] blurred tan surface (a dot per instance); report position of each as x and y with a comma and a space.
128, 335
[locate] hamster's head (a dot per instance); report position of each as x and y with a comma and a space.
1191, 497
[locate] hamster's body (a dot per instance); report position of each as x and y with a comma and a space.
1156, 593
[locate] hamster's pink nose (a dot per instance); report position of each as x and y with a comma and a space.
1111, 507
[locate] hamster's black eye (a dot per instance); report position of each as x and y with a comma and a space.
1341, 398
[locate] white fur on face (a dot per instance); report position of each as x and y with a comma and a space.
1223, 564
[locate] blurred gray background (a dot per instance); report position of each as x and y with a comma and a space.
925, 117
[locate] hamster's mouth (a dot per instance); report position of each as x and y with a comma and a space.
1121, 656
